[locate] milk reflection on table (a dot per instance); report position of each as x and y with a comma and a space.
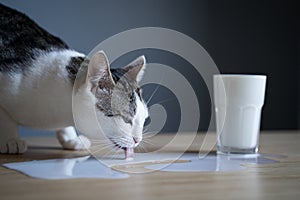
238, 101
214, 163
67, 168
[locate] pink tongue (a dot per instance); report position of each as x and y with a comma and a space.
129, 153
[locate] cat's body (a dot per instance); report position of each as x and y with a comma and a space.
26, 95
37, 74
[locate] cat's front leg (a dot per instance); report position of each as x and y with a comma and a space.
69, 139
9, 135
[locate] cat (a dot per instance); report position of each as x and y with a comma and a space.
37, 75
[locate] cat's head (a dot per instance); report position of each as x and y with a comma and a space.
114, 97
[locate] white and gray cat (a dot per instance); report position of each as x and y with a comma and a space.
37, 74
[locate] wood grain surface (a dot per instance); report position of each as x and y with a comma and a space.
270, 181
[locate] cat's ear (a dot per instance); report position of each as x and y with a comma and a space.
135, 69
99, 71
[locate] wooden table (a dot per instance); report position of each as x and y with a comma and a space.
271, 181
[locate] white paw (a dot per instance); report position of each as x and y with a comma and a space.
13, 146
78, 143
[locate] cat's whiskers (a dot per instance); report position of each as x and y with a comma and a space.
103, 145
111, 151
114, 152
107, 146
101, 150
149, 134
146, 129
145, 132
150, 98
98, 139
163, 101
160, 102
148, 143
141, 148
155, 90
99, 142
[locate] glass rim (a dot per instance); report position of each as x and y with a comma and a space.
240, 76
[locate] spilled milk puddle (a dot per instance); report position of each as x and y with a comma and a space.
90, 167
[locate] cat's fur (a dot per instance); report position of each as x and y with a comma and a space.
37, 76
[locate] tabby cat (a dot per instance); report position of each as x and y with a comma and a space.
37, 75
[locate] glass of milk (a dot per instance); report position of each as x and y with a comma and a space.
238, 102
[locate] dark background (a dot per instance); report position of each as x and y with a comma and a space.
241, 36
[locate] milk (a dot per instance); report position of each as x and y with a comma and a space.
238, 102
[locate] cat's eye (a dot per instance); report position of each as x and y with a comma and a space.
71, 70
131, 97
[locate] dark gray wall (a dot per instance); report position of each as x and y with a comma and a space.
255, 36
298, 33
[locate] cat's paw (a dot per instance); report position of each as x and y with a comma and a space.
13, 146
78, 143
